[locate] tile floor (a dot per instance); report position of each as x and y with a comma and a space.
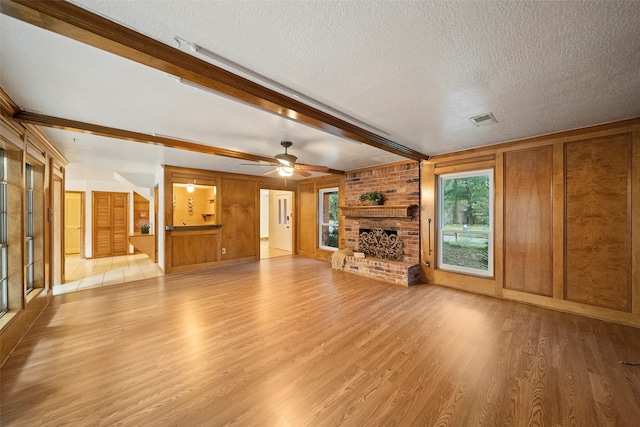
93, 273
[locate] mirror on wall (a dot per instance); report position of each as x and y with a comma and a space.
194, 204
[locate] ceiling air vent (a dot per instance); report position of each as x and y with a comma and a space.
483, 119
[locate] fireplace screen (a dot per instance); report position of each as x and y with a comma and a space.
380, 243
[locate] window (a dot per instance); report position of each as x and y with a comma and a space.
465, 230
328, 214
29, 228
4, 240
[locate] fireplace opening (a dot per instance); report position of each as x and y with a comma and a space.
379, 243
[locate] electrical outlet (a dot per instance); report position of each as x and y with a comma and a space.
224, 251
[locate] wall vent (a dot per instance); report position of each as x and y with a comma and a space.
483, 119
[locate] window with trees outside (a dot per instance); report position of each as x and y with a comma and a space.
329, 217
465, 229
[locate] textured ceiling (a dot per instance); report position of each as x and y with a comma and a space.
416, 70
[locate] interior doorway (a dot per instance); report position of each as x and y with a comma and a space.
74, 223
276, 223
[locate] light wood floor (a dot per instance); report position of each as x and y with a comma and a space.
267, 252
289, 342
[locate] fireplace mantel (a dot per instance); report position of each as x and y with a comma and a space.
384, 211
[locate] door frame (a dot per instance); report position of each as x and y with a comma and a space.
272, 190
57, 230
155, 220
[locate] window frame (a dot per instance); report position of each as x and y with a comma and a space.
441, 229
29, 277
321, 223
4, 235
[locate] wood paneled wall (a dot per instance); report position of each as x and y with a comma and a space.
306, 216
240, 200
193, 249
236, 210
528, 226
566, 221
27, 143
598, 226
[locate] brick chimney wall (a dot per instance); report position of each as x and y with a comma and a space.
400, 184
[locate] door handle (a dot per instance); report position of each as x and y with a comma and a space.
429, 236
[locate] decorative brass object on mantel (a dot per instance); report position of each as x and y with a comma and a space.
384, 211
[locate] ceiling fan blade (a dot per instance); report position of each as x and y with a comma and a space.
301, 172
271, 172
289, 161
312, 167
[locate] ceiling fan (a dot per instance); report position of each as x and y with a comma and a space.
286, 164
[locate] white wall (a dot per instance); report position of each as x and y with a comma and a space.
264, 214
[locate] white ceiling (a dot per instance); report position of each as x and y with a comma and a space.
416, 70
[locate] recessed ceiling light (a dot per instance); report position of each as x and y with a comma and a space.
483, 119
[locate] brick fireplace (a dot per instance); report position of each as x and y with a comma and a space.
399, 216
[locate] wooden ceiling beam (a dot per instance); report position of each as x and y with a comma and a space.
109, 132
82, 25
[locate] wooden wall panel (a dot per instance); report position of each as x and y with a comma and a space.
593, 200
528, 227
27, 144
239, 199
307, 228
598, 227
182, 248
427, 220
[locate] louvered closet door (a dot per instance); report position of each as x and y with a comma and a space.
109, 224
120, 233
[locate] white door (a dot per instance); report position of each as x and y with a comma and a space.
283, 222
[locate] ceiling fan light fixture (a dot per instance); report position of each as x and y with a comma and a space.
285, 170
285, 162
286, 159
